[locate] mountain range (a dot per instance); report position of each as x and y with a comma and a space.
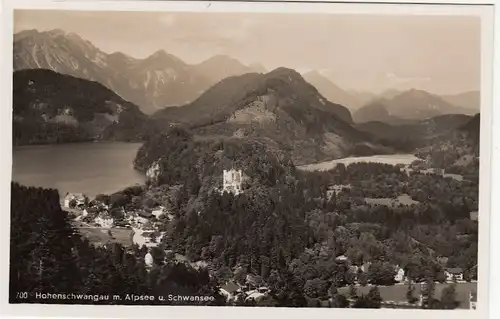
57, 73
49, 107
467, 100
152, 83
334, 93
407, 106
379, 107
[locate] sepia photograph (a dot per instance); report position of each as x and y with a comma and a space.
316, 159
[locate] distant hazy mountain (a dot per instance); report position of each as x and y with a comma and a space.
279, 107
389, 94
153, 83
469, 100
222, 66
409, 105
49, 107
362, 97
331, 91
374, 111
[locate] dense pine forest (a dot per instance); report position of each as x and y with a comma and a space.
290, 224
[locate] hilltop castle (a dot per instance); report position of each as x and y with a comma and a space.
232, 181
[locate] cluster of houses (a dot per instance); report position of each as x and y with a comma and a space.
99, 214
452, 274
252, 289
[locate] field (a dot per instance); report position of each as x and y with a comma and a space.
100, 236
397, 293
405, 159
404, 199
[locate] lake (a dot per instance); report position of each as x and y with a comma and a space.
89, 168
392, 159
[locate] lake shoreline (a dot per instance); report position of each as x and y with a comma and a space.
89, 168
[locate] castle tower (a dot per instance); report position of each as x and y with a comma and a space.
231, 181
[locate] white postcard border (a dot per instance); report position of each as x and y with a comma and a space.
486, 171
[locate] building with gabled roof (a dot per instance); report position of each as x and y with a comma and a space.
454, 274
230, 290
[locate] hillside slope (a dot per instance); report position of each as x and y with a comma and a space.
53, 108
331, 91
279, 107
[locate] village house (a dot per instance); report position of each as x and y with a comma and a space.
257, 293
230, 290
253, 281
78, 198
454, 274
144, 213
354, 269
400, 274
148, 260
364, 268
158, 211
105, 220
438, 171
342, 259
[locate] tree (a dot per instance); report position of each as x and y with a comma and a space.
374, 297
363, 302
381, 274
267, 301
428, 294
153, 237
332, 291
117, 200
449, 297
362, 278
340, 301
223, 275
410, 294
353, 292
316, 288
102, 198
150, 202
72, 203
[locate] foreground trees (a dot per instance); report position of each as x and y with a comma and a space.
48, 256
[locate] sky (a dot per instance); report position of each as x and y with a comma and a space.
440, 54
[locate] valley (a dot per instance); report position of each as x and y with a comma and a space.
248, 186
395, 159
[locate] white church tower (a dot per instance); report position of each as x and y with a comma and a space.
232, 181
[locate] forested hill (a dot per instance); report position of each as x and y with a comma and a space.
457, 150
286, 229
279, 107
177, 157
48, 256
49, 107
235, 92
